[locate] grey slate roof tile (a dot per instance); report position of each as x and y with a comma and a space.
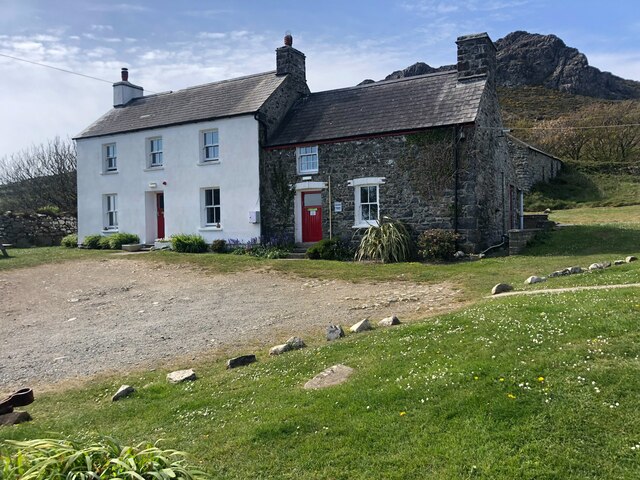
204, 102
391, 106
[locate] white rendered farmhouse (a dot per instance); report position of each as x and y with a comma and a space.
184, 161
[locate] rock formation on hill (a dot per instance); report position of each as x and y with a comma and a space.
526, 59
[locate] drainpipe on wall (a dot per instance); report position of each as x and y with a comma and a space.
330, 211
456, 160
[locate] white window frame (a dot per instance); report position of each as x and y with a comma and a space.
109, 158
304, 154
214, 145
206, 207
358, 184
110, 208
153, 153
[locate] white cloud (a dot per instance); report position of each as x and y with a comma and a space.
212, 35
117, 7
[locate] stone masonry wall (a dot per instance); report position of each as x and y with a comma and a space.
532, 166
28, 230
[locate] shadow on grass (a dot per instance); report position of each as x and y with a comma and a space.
586, 240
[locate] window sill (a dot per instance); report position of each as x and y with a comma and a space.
109, 231
208, 162
311, 172
366, 225
113, 172
210, 229
154, 169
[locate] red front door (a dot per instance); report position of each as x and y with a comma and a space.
160, 214
311, 216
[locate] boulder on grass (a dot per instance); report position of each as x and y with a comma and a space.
630, 259
619, 262
501, 288
123, 391
595, 266
574, 270
361, 326
180, 376
241, 361
533, 279
14, 418
389, 321
334, 375
334, 332
279, 349
295, 343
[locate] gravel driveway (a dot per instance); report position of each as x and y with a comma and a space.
72, 320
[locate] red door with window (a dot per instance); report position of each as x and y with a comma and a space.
311, 216
160, 214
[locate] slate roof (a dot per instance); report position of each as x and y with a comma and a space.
405, 104
204, 102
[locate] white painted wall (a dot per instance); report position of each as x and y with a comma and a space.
236, 175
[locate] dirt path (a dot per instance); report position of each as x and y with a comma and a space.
72, 320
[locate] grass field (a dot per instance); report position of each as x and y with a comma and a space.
536, 387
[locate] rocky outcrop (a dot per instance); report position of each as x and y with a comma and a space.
531, 59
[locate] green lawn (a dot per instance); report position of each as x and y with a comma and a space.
531, 387
31, 257
541, 387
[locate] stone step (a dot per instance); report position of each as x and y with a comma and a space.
296, 255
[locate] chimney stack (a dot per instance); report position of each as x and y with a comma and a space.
290, 61
123, 91
476, 57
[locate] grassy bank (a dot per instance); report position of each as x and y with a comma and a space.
540, 387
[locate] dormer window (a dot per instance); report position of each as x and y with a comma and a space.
109, 158
210, 146
154, 146
307, 159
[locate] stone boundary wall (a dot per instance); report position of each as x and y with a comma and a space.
35, 230
518, 239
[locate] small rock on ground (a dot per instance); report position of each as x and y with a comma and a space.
574, 270
123, 391
361, 326
295, 343
533, 279
334, 375
14, 418
334, 332
279, 349
595, 266
630, 259
389, 321
618, 262
501, 288
241, 361
181, 376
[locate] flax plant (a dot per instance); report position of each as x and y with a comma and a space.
387, 242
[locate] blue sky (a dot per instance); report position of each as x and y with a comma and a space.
169, 45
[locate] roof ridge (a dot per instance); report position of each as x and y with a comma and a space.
220, 82
388, 82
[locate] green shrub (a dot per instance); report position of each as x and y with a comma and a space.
104, 243
388, 242
437, 244
40, 459
118, 239
330, 249
52, 210
184, 243
92, 241
219, 246
70, 241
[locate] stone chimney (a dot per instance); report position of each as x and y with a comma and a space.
290, 61
476, 57
123, 91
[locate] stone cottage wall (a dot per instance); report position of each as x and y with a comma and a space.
532, 165
401, 196
28, 230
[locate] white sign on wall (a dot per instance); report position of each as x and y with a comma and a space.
337, 207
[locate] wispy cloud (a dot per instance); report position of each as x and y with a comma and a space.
117, 7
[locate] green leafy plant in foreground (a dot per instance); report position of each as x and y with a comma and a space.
387, 242
50, 458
